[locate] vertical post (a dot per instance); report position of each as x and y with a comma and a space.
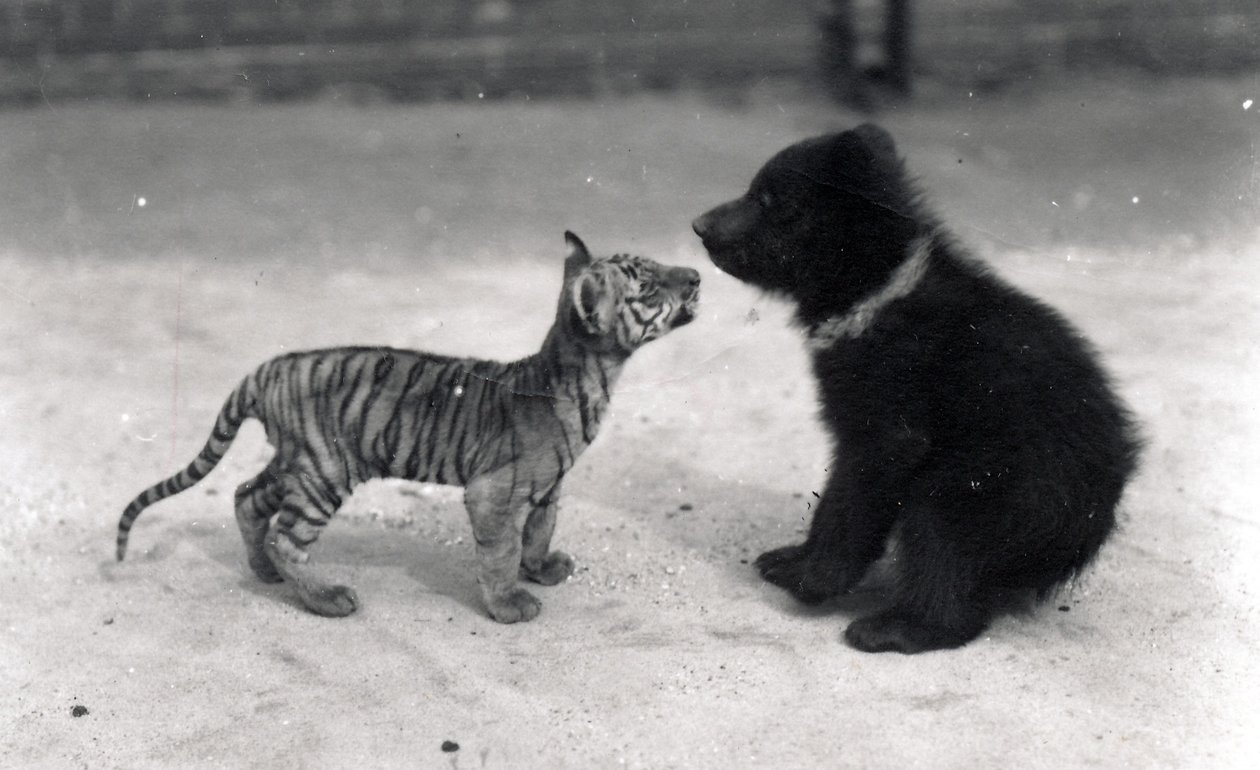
897, 45
838, 52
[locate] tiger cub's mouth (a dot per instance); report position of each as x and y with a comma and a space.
687, 311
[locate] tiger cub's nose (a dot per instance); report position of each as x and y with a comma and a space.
685, 278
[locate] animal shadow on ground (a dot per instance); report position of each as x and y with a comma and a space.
371, 554
429, 541
727, 524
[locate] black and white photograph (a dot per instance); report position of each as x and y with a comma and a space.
660, 384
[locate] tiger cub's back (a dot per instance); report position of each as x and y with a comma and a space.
366, 412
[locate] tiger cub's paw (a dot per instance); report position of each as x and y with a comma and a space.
516, 606
330, 601
264, 568
556, 568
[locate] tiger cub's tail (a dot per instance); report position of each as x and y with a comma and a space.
233, 413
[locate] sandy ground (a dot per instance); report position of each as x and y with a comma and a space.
664, 650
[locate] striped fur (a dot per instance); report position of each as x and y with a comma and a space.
507, 432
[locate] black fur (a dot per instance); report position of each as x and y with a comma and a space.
970, 420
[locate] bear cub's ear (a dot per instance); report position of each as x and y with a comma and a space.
877, 140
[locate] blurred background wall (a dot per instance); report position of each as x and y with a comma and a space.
403, 49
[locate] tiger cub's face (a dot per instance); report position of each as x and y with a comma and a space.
627, 301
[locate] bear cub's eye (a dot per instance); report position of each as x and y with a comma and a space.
765, 199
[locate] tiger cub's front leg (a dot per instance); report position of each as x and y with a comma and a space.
498, 516
538, 563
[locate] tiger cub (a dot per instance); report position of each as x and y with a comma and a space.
506, 432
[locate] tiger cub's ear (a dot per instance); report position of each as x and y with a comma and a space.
592, 304
576, 258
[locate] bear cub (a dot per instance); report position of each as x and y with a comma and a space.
971, 422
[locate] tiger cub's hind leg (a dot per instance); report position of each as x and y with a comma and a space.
538, 563
302, 518
257, 501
